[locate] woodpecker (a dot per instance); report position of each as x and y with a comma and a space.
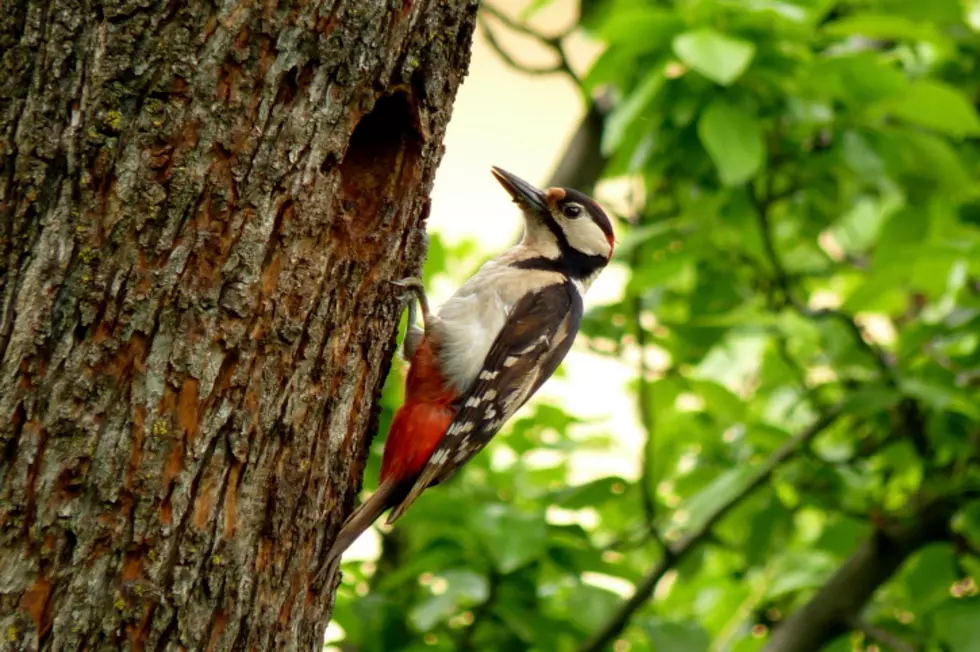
488, 348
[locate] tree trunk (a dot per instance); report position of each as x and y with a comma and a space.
200, 206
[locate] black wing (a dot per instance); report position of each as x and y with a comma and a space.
528, 349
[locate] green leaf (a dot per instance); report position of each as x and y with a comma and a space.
870, 399
511, 538
719, 400
590, 494
734, 141
929, 576
867, 78
957, 623
884, 27
718, 57
676, 637
534, 7
632, 109
933, 157
939, 11
707, 501
858, 228
453, 589
938, 106
796, 571
862, 158
641, 29
666, 230
592, 605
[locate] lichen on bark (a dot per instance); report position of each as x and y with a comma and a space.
200, 206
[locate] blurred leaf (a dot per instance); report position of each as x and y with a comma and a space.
456, 588
957, 623
936, 10
631, 109
734, 141
718, 57
884, 26
511, 538
706, 502
676, 637
871, 399
938, 106
719, 400
640, 29
930, 574
592, 606
533, 7
590, 494
796, 571
646, 233
858, 229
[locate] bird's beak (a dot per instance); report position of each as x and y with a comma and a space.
525, 195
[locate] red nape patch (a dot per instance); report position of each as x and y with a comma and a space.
415, 433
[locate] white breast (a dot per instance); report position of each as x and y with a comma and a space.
469, 322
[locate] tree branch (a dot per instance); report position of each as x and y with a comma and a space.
582, 162
676, 553
882, 636
553, 43
783, 281
831, 612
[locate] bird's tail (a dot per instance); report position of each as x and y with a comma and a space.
355, 525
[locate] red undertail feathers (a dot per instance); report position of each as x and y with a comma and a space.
418, 427
421, 422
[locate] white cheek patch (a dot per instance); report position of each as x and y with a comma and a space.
585, 235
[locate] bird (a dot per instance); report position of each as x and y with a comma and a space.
487, 349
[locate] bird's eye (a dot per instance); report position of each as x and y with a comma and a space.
572, 210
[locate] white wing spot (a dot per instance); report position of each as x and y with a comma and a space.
533, 345
472, 401
489, 395
490, 413
512, 360
460, 428
488, 375
439, 457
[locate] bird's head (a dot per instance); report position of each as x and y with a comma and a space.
562, 224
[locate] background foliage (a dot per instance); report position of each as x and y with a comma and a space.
805, 252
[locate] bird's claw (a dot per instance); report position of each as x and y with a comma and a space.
409, 283
414, 285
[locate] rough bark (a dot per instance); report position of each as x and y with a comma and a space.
199, 207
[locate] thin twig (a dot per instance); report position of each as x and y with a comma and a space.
511, 61
645, 408
882, 636
525, 29
783, 280
553, 43
676, 553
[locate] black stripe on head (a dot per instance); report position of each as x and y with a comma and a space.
572, 262
595, 211
540, 263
